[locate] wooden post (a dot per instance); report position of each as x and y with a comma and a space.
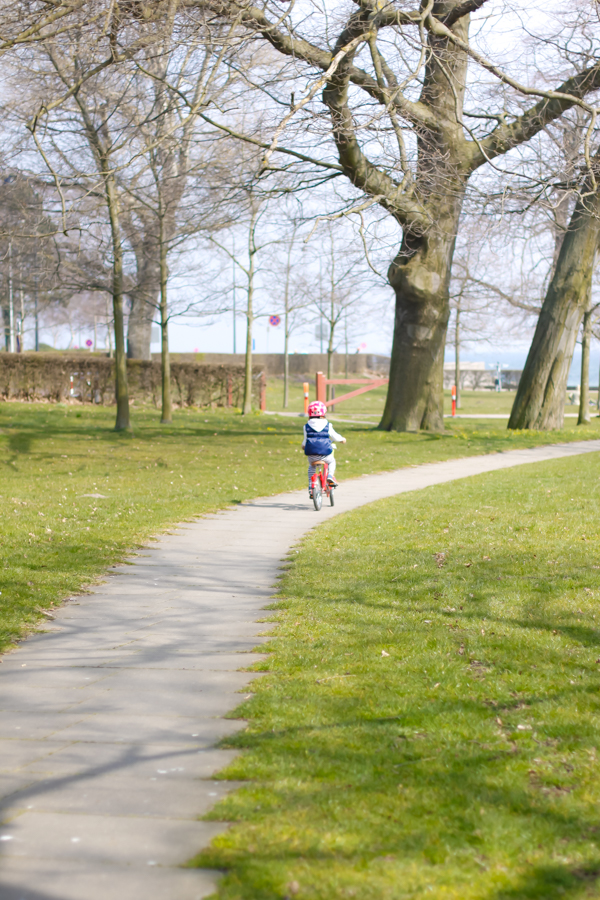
263, 392
453, 399
229, 390
321, 385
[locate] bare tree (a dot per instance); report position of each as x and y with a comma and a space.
369, 79
539, 402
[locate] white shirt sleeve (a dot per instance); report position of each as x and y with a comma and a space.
333, 434
304, 438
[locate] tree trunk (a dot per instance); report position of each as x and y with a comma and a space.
286, 362
457, 358
165, 359
586, 339
286, 325
144, 300
330, 359
540, 399
420, 276
122, 422
247, 407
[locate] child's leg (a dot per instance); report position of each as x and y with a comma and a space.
331, 464
311, 469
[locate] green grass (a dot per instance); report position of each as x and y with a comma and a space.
54, 540
429, 723
371, 404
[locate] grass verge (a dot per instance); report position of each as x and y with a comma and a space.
429, 723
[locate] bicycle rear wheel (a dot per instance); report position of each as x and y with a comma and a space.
317, 497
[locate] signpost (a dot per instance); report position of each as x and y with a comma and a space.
89, 344
274, 321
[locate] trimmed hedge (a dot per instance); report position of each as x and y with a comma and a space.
89, 378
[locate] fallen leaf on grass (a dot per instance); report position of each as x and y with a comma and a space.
468, 565
383, 653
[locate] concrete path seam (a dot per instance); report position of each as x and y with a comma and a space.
109, 720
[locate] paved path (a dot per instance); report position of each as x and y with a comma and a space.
108, 721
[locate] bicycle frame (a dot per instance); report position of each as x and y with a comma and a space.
319, 485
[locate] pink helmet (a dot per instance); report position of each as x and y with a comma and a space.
317, 409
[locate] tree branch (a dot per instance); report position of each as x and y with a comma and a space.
463, 9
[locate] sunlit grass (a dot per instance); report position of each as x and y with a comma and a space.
429, 726
54, 539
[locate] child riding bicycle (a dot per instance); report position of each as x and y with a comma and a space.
318, 445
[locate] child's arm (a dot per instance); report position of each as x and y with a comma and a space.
335, 436
304, 438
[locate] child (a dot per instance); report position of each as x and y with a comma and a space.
318, 445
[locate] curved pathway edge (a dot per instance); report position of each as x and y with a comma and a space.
109, 720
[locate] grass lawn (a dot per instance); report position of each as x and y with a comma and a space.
370, 405
54, 539
429, 725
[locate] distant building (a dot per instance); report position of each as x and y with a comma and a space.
475, 377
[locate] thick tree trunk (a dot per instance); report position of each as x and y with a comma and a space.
144, 299
165, 359
420, 276
122, 422
539, 403
586, 339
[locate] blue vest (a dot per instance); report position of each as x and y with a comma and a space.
318, 443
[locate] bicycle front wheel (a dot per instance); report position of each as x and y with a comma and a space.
317, 498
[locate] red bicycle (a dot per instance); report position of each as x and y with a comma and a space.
319, 485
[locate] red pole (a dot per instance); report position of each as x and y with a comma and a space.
453, 399
305, 388
263, 392
321, 385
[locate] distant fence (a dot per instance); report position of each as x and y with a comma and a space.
301, 364
86, 378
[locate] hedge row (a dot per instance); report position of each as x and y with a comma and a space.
90, 379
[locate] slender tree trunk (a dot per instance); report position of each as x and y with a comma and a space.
165, 359
457, 358
286, 325
286, 362
122, 422
252, 250
330, 358
247, 407
108, 334
540, 399
586, 339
